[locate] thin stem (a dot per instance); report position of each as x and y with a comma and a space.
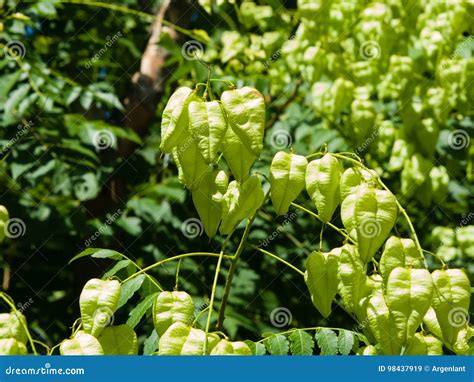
348, 238
54, 348
192, 254
140, 269
318, 154
228, 82
198, 316
46, 347
11, 304
321, 238
211, 302
230, 276
437, 257
177, 274
278, 259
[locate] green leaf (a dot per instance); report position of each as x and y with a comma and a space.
14, 98
345, 342
81, 344
277, 344
257, 348
151, 343
287, 179
208, 126
98, 303
116, 268
327, 341
245, 110
408, 297
321, 277
119, 340
139, 311
98, 253
322, 183
129, 288
171, 307
301, 343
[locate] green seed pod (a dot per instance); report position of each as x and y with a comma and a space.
208, 126
245, 109
11, 346
240, 202
431, 322
98, 303
181, 339
369, 215
81, 344
401, 151
237, 156
414, 174
225, 347
287, 179
222, 182
321, 279
408, 296
399, 253
465, 239
171, 307
353, 177
13, 325
322, 183
367, 350
424, 345
354, 286
382, 326
190, 163
208, 208
451, 300
175, 119
119, 340
4, 216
